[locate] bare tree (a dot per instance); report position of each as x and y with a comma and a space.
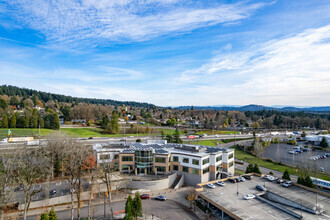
73, 161
6, 180
89, 166
29, 167
105, 174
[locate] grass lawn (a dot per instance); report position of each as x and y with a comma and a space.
211, 143
240, 172
24, 132
210, 132
241, 155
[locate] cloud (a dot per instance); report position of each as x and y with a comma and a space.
293, 69
103, 22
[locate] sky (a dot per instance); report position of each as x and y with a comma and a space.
170, 52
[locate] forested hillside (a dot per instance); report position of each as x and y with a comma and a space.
25, 108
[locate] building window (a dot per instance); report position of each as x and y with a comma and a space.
175, 158
195, 162
219, 158
175, 167
230, 156
161, 169
206, 170
231, 164
116, 156
160, 159
104, 156
185, 169
126, 168
185, 160
127, 158
195, 171
206, 161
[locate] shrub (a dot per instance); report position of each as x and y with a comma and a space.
286, 175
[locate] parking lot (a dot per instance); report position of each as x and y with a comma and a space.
280, 153
231, 198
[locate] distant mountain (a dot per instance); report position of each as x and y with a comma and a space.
259, 108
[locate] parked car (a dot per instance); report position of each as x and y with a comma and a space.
279, 181
210, 185
241, 179
292, 152
145, 196
248, 177
52, 193
298, 151
249, 196
161, 198
260, 188
237, 179
287, 184
232, 180
220, 183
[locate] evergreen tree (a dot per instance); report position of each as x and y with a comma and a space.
114, 123
4, 122
162, 134
44, 216
169, 138
56, 122
324, 144
249, 168
256, 169
176, 136
14, 101
26, 121
105, 121
128, 208
137, 206
308, 181
12, 123
286, 175
3, 104
318, 123
52, 215
57, 166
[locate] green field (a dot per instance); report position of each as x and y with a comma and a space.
210, 132
24, 132
211, 143
241, 155
75, 132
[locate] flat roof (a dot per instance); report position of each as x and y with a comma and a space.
228, 198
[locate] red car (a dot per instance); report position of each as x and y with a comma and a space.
145, 196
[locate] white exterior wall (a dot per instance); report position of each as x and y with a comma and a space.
180, 156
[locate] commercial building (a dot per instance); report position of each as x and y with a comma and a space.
196, 163
316, 139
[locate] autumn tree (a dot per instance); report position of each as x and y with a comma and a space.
6, 180
89, 167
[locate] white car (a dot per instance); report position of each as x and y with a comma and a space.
241, 179
292, 152
210, 185
220, 183
287, 184
249, 196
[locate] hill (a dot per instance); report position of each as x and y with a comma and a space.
46, 96
323, 109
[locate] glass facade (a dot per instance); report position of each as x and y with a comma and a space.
144, 161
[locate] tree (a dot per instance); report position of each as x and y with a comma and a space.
6, 180
74, 157
324, 143
89, 166
191, 198
249, 168
3, 104
138, 140
318, 123
128, 208
257, 147
256, 169
137, 206
4, 122
286, 175
28, 169
12, 123
52, 215
44, 216
176, 136
162, 134
105, 121
169, 138
14, 101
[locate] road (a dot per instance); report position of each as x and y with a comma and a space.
169, 210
